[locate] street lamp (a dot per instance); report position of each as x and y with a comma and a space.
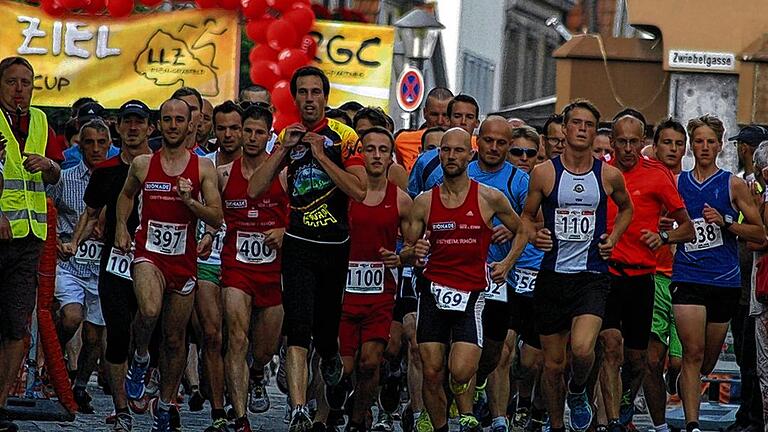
418, 32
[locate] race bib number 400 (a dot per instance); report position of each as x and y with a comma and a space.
706, 236
365, 277
119, 263
166, 238
450, 299
525, 280
89, 252
251, 248
574, 224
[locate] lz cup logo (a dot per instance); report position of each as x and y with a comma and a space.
444, 226
157, 187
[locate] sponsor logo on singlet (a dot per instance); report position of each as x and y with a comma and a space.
444, 226
157, 186
236, 204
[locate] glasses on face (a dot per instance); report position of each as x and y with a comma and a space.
554, 141
520, 151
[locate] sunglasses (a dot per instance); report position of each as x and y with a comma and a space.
519, 152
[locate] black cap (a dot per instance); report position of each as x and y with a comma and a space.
752, 135
89, 112
135, 107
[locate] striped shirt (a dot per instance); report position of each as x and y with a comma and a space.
67, 196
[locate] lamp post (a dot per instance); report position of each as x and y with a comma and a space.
418, 32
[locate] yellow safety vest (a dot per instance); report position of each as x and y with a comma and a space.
23, 200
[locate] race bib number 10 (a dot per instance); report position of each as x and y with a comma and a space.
166, 238
706, 236
574, 224
88, 252
450, 299
365, 277
119, 263
251, 248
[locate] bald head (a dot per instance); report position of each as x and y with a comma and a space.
457, 135
495, 122
628, 121
516, 122
493, 142
455, 152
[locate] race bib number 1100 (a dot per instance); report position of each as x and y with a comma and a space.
365, 277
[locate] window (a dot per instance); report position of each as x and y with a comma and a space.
477, 79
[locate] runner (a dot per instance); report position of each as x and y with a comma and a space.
706, 279
435, 111
323, 173
228, 128
371, 279
195, 101
458, 222
668, 148
203, 136
492, 169
629, 308
431, 138
164, 268
251, 267
118, 302
77, 273
553, 138
572, 286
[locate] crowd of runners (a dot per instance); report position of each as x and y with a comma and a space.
477, 270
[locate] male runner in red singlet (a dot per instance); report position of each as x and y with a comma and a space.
455, 219
171, 183
250, 264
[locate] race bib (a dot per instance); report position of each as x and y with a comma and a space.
574, 224
525, 280
450, 299
365, 277
251, 248
706, 236
119, 263
89, 252
218, 240
166, 238
496, 292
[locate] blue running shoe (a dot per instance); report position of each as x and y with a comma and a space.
581, 411
161, 421
134, 380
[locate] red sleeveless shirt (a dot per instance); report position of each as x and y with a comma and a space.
247, 219
166, 232
459, 240
372, 227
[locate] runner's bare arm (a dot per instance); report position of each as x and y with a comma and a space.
415, 234
210, 212
530, 216
136, 175
261, 179
751, 228
398, 176
404, 206
85, 226
621, 198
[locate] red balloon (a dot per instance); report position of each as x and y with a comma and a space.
229, 4
256, 30
71, 4
254, 8
95, 7
302, 19
262, 52
206, 4
264, 73
52, 8
151, 3
284, 119
120, 8
281, 96
289, 60
281, 5
281, 35
308, 46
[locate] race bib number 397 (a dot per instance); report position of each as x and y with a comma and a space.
364, 277
574, 224
450, 299
166, 238
706, 236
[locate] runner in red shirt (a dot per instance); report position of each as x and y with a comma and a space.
455, 218
250, 267
171, 183
629, 308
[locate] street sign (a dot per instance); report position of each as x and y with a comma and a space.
410, 89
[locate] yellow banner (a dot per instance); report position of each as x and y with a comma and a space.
144, 57
358, 61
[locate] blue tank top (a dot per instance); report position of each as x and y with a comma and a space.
713, 257
575, 213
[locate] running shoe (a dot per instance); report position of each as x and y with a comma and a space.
258, 398
83, 400
332, 370
161, 421
535, 425
153, 386
424, 423
242, 424
480, 407
218, 425
468, 423
280, 378
384, 422
123, 423
134, 380
500, 424
139, 406
300, 420
521, 418
196, 401
581, 411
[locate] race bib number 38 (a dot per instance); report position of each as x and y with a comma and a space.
166, 238
365, 277
574, 224
88, 252
706, 236
450, 299
251, 248
119, 263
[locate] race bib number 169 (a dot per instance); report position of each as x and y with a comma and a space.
450, 299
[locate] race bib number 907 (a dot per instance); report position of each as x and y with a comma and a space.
88, 252
574, 224
166, 238
450, 299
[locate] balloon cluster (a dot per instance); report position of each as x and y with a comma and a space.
278, 28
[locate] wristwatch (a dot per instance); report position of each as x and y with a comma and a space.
727, 221
664, 237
